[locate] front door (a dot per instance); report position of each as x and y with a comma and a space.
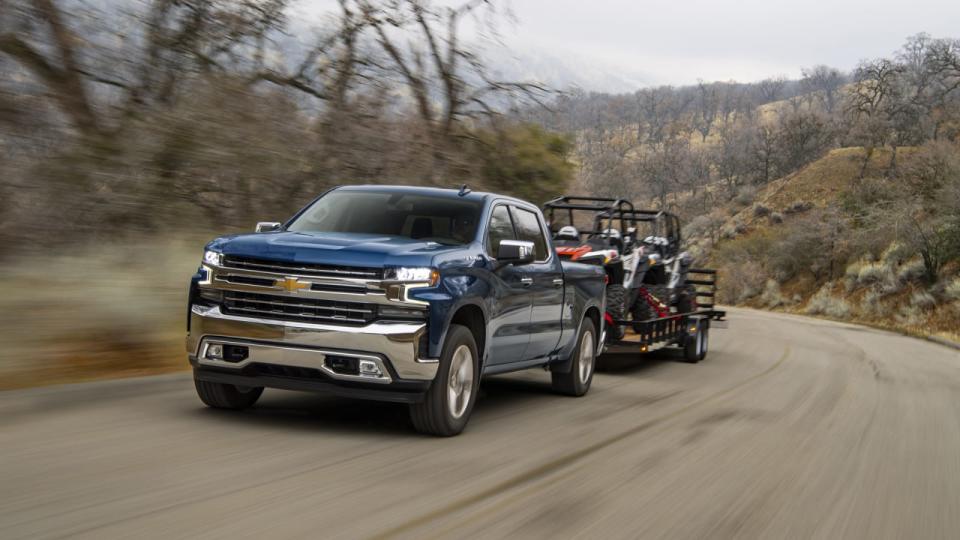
544, 281
509, 301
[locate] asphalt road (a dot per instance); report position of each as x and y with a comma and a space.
791, 428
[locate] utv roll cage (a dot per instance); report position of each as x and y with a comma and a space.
601, 208
665, 225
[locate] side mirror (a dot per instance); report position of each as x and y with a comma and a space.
515, 252
268, 226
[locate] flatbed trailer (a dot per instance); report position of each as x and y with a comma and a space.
690, 331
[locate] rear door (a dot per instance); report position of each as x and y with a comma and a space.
543, 280
510, 301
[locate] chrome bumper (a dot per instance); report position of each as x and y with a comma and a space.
393, 346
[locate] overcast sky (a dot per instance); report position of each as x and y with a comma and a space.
680, 41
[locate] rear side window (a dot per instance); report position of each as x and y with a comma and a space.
528, 228
501, 228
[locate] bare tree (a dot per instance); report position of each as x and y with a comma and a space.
771, 89
706, 108
824, 83
873, 102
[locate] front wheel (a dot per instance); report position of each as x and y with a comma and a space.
447, 405
577, 381
226, 396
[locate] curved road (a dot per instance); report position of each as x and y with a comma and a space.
792, 427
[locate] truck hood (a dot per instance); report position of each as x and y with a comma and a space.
342, 249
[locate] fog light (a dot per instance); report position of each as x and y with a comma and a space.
370, 368
215, 351
693, 329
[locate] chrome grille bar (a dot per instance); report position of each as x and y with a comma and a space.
307, 270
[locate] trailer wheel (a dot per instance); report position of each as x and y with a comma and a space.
695, 350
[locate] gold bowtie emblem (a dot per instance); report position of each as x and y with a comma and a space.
292, 284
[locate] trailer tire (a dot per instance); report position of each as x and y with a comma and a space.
695, 349
576, 382
226, 396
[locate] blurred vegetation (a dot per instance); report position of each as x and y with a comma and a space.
159, 117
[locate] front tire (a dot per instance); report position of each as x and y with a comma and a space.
447, 405
576, 382
226, 396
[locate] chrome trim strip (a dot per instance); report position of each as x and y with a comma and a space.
281, 355
303, 315
327, 308
293, 269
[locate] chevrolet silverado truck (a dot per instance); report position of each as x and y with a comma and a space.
392, 293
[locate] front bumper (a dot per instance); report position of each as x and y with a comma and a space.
295, 350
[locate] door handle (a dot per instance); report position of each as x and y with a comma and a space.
558, 282
526, 281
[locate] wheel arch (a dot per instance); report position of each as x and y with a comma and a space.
474, 319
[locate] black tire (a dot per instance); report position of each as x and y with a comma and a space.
686, 299
226, 396
695, 347
617, 308
642, 311
433, 415
576, 382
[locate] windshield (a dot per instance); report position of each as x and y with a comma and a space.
421, 217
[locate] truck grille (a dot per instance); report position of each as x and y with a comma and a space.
303, 269
288, 308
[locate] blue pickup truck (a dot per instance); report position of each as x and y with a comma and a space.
392, 293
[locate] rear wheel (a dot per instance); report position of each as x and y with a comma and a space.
447, 405
226, 396
577, 381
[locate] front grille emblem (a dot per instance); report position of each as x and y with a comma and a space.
292, 284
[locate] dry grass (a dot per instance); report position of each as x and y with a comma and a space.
95, 313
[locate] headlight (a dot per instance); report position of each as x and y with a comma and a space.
413, 275
212, 257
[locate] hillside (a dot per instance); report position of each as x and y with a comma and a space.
821, 241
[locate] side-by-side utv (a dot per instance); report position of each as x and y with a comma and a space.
655, 297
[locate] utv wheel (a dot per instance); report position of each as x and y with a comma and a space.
226, 396
695, 349
577, 381
447, 405
642, 310
617, 308
687, 299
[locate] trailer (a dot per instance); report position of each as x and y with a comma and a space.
690, 331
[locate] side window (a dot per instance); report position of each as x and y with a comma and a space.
501, 228
528, 228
